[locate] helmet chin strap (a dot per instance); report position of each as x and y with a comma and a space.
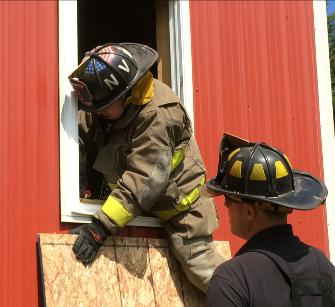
273, 208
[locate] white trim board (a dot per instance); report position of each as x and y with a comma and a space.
181, 53
68, 127
72, 210
326, 115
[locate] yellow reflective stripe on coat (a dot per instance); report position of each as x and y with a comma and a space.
184, 205
177, 158
116, 211
188, 200
191, 198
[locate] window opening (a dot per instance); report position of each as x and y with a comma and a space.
101, 22
82, 26
116, 21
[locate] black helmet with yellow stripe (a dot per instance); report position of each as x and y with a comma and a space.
257, 171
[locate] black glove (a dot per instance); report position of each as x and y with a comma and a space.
90, 239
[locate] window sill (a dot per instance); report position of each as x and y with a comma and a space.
85, 209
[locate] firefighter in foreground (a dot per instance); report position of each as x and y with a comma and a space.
273, 268
148, 157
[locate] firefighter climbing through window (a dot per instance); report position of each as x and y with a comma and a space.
145, 153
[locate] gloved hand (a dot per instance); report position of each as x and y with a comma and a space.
90, 239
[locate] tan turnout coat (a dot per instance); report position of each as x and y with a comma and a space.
152, 163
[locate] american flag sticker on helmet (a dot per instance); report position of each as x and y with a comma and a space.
107, 54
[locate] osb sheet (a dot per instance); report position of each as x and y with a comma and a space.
126, 272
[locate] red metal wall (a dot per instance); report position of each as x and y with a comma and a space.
29, 146
29, 152
254, 75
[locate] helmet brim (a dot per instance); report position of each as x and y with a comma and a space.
309, 193
145, 57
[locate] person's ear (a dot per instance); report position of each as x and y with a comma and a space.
250, 212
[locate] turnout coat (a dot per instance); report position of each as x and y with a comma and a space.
152, 165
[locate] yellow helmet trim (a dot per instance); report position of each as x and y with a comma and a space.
281, 170
233, 153
236, 170
258, 172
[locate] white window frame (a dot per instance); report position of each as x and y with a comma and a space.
72, 210
326, 114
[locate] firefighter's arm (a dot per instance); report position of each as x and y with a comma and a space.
148, 169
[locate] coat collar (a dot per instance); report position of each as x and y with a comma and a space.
279, 240
130, 114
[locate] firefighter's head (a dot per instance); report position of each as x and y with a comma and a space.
260, 186
108, 72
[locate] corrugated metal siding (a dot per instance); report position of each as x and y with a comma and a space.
254, 75
29, 152
237, 48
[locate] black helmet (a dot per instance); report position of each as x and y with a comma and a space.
259, 172
107, 72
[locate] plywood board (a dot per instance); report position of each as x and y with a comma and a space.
126, 272
166, 276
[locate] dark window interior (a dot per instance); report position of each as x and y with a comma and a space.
115, 21
111, 21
